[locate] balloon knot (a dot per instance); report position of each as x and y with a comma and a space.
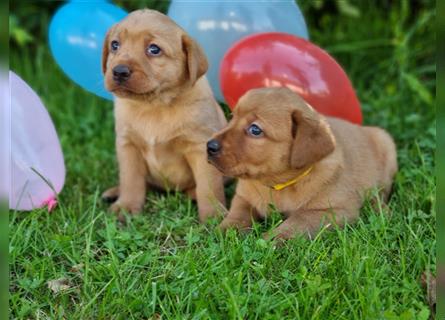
51, 203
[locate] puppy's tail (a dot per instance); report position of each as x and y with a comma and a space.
387, 157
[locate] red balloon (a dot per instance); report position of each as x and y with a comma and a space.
276, 59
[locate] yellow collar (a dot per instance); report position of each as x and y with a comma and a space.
281, 186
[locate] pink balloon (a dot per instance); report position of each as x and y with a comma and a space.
5, 138
37, 166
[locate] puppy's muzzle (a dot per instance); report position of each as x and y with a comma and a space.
121, 73
213, 148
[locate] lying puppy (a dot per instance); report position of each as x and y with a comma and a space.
314, 169
164, 112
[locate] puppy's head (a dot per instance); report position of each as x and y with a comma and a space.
147, 53
272, 132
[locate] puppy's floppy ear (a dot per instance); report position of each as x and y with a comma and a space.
312, 139
106, 49
197, 64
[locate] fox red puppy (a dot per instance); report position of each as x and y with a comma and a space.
315, 170
164, 113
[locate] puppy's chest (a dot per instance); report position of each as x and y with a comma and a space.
152, 140
265, 199
156, 141
148, 133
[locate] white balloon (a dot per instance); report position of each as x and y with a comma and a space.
37, 165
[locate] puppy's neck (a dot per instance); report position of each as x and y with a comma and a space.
288, 179
322, 172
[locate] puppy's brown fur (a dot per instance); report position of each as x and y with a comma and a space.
346, 160
165, 113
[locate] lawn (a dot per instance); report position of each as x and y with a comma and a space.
165, 265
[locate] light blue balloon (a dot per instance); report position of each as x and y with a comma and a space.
76, 35
217, 25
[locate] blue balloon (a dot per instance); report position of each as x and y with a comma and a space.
217, 25
76, 35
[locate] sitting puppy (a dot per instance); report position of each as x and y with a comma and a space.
313, 169
164, 112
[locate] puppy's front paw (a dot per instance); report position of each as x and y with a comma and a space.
207, 212
224, 225
278, 237
235, 224
126, 206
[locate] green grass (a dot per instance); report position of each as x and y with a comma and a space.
164, 264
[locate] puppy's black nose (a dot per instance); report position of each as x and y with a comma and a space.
121, 73
213, 147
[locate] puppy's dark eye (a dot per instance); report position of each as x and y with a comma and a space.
115, 45
153, 50
254, 130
